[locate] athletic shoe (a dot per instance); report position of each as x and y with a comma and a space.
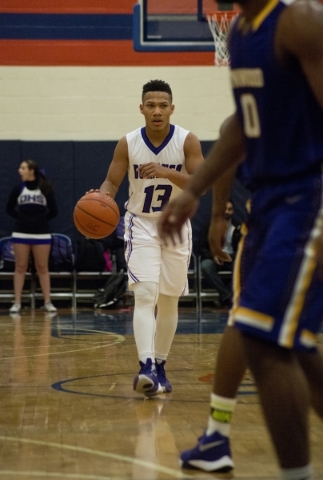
161, 374
49, 307
146, 381
16, 307
211, 454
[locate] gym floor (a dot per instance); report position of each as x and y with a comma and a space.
68, 410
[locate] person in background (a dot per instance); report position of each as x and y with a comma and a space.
32, 203
212, 265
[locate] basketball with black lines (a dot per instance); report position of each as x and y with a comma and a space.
96, 215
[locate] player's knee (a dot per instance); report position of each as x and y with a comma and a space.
145, 293
167, 301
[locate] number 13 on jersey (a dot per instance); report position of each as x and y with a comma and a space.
156, 196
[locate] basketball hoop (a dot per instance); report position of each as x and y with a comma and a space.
219, 23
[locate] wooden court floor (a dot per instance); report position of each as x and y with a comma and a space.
68, 411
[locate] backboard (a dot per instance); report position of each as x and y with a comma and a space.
174, 25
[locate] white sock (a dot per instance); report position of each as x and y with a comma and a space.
144, 323
221, 414
166, 324
302, 473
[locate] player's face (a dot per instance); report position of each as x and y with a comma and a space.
157, 107
228, 211
26, 174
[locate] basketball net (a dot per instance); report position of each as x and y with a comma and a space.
219, 23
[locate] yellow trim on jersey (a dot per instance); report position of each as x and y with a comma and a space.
263, 14
296, 304
308, 339
254, 318
236, 275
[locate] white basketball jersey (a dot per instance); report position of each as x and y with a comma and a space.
148, 196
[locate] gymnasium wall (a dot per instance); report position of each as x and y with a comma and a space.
70, 87
102, 103
68, 71
74, 167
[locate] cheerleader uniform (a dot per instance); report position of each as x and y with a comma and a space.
32, 209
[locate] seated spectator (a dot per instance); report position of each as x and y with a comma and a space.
211, 266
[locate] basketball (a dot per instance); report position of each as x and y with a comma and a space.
96, 215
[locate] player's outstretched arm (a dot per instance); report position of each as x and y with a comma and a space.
117, 170
224, 155
221, 191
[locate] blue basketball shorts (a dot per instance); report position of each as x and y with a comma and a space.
278, 293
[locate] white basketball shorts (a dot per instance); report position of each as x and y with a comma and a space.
149, 260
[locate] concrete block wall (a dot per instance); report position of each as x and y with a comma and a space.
102, 102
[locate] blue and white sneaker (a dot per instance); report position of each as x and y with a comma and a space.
211, 454
146, 381
161, 374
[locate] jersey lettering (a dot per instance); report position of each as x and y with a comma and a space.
250, 115
178, 168
162, 199
37, 199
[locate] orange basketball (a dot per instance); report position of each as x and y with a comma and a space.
96, 215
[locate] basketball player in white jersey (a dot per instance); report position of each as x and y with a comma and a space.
159, 159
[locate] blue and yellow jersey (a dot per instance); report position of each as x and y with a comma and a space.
282, 121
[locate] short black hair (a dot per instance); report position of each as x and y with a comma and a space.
156, 86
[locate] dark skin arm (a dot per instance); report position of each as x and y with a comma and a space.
221, 192
222, 160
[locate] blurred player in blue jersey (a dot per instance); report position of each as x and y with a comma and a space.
276, 50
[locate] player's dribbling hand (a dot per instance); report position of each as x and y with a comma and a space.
96, 190
174, 215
